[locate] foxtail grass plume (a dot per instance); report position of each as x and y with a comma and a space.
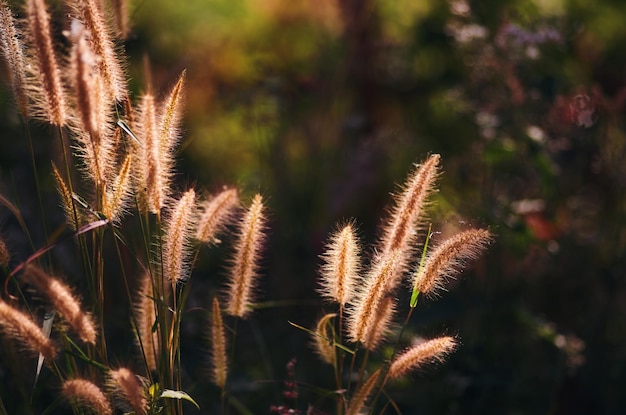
215, 213
400, 232
358, 401
126, 384
340, 271
62, 299
219, 362
168, 119
430, 351
11, 49
85, 393
47, 90
448, 258
371, 303
20, 327
243, 272
179, 230
323, 339
74, 216
118, 193
148, 170
109, 64
145, 311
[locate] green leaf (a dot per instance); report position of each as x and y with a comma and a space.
168, 393
416, 292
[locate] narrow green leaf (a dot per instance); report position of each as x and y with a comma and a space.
415, 293
168, 393
311, 332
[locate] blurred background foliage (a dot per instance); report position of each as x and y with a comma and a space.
323, 105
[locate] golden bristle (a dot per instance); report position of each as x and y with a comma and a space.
323, 340
177, 238
363, 317
117, 195
62, 299
145, 311
430, 351
131, 389
357, 403
109, 62
219, 362
86, 393
401, 230
19, 326
340, 271
49, 98
380, 324
447, 259
215, 213
148, 171
11, 49
168, 120
74, 217
243, 273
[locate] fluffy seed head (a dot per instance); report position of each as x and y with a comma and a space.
243, 273
126, 384
5, 257
357, 403
215, 213
85, 393
109, 65
11, 49
323, 339
178, 233
62, 299
48, 95
117, 195
19, 326
146, 316
120, 13
219, 362
371, 304
430, 351
447, 259
401, 229
340, 271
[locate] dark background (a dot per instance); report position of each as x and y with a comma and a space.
324, 107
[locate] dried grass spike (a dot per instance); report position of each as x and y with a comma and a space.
62, 299
11, 48
378, 329
243, 273
401, 230
178, 233
215, 213
366, 310
86, 393
126, 382
340, 271
117, 196
73, 216
18, 325
323, 340
219, 362
145, 311
50, 97
430, 351
357, 403
109, 63
448, 259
